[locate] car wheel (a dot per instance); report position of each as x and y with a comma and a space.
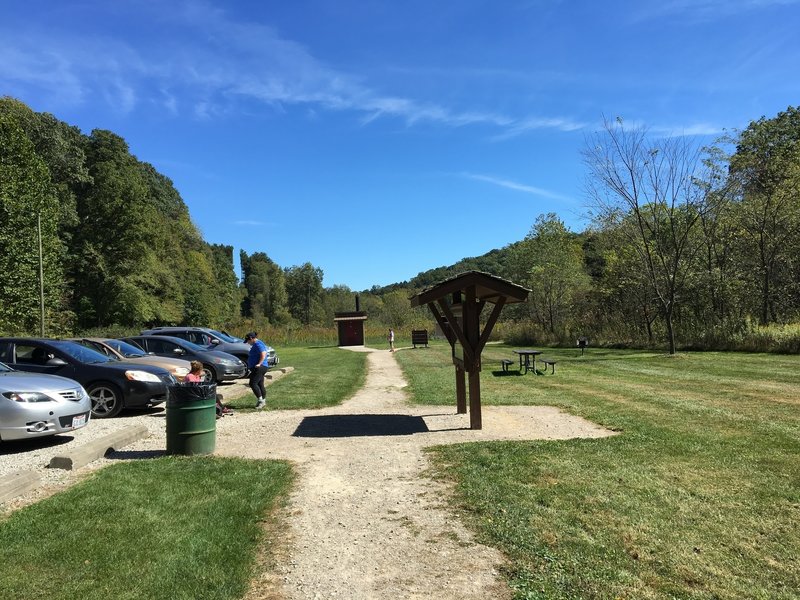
208, 374
106, 400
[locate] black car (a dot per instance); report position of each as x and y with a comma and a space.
112, 385
218, 366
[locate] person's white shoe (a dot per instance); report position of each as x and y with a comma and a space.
260, 404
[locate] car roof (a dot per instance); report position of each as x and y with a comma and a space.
170, 338
178, 328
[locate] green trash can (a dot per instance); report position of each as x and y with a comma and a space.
191, 418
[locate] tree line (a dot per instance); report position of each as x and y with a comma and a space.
687, 246
119, 250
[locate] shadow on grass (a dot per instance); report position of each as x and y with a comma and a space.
359, 425
506, 373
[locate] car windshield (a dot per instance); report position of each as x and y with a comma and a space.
223, 336
93, 345
81, 353
127, 350
4, 368
231, 338
190, 346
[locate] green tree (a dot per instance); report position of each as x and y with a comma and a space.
555, 272
225, 282
338, 298
304, 290
265, 288
396, 310
26, 199
767, 165
115, 261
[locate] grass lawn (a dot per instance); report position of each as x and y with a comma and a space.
172, 527
699, 497
323, 376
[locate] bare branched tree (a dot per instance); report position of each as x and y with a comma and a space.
654, 190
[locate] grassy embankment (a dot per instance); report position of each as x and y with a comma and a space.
698, 497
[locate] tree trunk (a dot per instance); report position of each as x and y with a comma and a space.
670, 331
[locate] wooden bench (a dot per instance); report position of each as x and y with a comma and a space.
419, 337
505, 363
548, 363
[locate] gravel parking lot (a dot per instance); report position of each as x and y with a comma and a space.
35, 454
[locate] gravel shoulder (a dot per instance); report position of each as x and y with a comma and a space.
363, 520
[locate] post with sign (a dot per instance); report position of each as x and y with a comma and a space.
456, 304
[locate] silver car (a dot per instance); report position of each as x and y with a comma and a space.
35, 404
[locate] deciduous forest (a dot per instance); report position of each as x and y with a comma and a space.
688, 246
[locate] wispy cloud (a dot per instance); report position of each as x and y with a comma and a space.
519, 187
661, 130
701, 10
250, 223
523, 126
697, 129
209, 62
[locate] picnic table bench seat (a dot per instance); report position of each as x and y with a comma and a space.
505, 363
549, 362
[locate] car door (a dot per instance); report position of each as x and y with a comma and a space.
139, 342
197, 337
162, 347
7, 353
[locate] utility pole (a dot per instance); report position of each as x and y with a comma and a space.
41, 274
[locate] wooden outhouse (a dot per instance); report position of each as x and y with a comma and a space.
351, 327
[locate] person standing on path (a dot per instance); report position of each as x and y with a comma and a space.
257, 363
391, 340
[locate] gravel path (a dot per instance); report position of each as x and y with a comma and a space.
363, 520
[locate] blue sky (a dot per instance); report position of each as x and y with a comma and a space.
379, 138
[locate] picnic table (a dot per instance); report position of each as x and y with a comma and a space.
527, 358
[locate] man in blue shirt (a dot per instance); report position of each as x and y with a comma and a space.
257, 363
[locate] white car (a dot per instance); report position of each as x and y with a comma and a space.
35, 404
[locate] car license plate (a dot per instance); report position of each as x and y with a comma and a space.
78, 421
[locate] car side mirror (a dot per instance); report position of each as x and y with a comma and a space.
214, 341
178, 351
56, 362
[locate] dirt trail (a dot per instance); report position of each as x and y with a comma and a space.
364, 521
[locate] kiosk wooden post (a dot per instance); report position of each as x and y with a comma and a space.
456, 304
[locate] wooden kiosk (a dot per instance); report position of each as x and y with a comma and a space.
456, 304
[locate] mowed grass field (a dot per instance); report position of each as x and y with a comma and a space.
171, 527
323, 376
697, 497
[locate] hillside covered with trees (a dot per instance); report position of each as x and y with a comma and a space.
688, 246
